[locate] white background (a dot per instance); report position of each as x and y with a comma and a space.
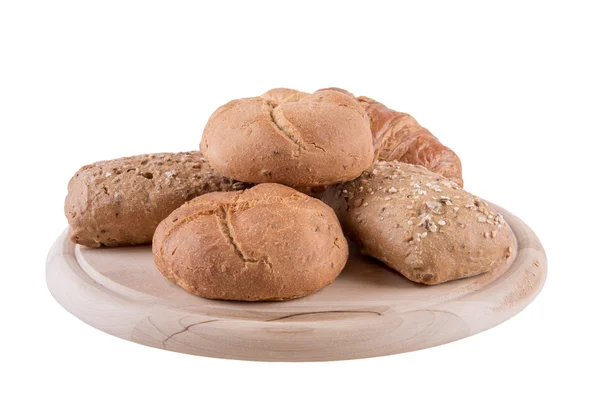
512, 88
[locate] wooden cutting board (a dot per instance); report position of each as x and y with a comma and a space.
368, 311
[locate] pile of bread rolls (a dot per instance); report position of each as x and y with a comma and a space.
261, 212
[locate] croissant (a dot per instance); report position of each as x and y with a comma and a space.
398, 136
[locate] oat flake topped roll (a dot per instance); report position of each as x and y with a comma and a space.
121, 202
421, 224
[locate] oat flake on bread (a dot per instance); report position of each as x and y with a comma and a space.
421, 224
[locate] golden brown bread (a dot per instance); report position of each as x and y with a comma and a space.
420, 223
290, 137
269, 242
121, 202
398, 136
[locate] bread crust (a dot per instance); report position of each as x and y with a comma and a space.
290, 137
398, 136
121, 202
269, 242
421, 224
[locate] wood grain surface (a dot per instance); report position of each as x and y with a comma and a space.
368, 311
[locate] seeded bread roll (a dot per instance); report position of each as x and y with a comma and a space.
421, 224
269, 242
290, 137
121, 202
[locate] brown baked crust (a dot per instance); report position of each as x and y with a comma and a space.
121, 202
398, 136
270, 242
421, 224
290, 137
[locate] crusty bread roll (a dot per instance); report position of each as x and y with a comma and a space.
121, 202
269, 242
420, 223
290, 137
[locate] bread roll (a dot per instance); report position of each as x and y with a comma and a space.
421, 224
269, 242
121, 202
290, 137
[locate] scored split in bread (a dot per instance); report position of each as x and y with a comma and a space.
421, 224
290, 137
269, 242
121, 202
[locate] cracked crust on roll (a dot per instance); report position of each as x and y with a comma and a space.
269, 242
421, 224
290, 137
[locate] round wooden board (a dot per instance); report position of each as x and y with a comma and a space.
368, 311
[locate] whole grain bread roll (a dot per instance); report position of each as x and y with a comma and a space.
290, 137
121, 202
269, 242
421, 224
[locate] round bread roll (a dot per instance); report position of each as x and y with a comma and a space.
290, 137
421, 224
270, 242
